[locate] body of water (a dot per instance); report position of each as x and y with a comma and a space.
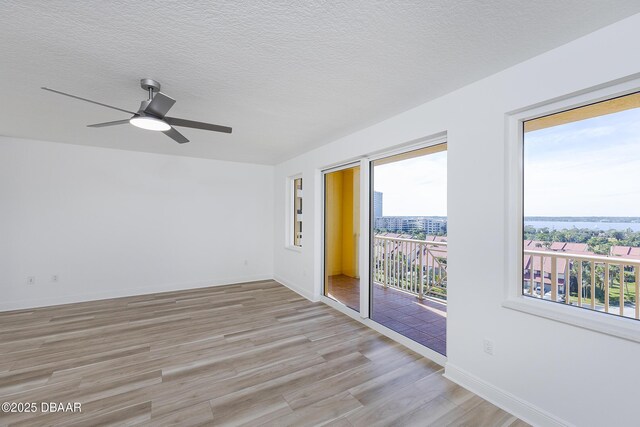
560, 225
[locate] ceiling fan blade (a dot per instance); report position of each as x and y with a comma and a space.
176, 136
116, 122
160, 105
196, 125
87, 100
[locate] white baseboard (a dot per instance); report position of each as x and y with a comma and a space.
300, 291
502, 399
96, 296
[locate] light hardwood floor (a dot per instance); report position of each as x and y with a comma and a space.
254, 354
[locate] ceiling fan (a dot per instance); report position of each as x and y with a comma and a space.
152, 114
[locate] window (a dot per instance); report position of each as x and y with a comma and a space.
581, 207
297, 211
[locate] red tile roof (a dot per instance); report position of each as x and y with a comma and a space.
564, 247
625, 252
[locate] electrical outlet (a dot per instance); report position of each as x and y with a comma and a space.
488, 347
54, 278
31, 280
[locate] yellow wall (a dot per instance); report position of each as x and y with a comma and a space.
342, 226
333, 223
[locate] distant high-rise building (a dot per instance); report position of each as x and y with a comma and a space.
428, 225
377, 204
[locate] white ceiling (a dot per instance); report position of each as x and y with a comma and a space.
287, 76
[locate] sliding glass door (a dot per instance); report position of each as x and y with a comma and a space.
408, 286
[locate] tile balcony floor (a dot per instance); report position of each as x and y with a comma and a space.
424, 321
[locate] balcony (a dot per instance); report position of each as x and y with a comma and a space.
410, 288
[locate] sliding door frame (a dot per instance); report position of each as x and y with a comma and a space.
363, 267
366, 235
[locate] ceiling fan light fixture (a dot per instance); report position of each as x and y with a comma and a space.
150, 123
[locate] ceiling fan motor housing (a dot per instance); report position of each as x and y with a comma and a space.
143, 106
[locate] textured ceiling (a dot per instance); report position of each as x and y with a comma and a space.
287, 76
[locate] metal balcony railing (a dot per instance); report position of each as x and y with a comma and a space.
608, 284
415, 266
603, 283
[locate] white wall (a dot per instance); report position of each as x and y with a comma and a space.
113, 223
544, 370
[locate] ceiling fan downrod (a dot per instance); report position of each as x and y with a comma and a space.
151, 86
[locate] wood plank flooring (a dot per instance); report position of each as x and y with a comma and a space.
247, 354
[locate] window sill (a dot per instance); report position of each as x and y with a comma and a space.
628, 329
294, 248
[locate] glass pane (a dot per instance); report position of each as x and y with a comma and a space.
409, 245
297, 212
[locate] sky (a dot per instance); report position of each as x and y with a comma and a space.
413, 187
585, 168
